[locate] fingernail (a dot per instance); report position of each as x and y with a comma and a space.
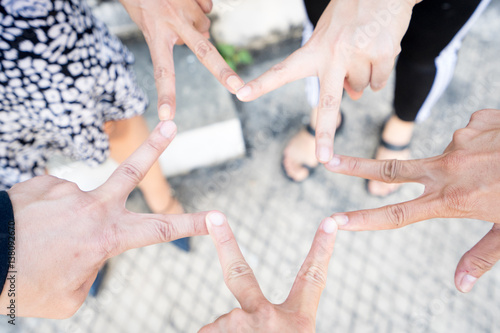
235, 82
467, 283
324, 155
335, 161
329, 225
244, 92
164, 112
168, 129
341, 219
216, 218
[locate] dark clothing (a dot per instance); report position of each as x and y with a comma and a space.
7, 236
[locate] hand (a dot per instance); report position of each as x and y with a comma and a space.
167, 22
64, 235
463, 182
354, 44
257, 314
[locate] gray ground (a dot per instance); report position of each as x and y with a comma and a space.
388, 281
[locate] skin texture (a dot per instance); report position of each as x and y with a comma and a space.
165, 23
354, 45
64, 235
257, 314
463, 182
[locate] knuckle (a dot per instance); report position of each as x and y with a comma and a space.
305, 322
329, 102
166, 100
357, 84
324, 135
108, 241
237, 270
161, 72
458, 201
164, 231
385, 55
397, 215
455, 162
238, 320
462, 135
155, 145
279, 68
389, 171
480, 263
313, 274
131, 172
481, 114
61, 188
205, 24
207, 6
225, 73
266, 313
397, 50
378, 85
202, 49
353, 165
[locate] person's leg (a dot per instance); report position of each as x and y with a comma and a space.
125, 136
423, 71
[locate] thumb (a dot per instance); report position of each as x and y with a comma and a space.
480, 259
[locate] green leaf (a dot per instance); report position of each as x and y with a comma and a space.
244, 57
231, 64
227, 51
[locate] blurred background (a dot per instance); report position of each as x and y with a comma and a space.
227, 157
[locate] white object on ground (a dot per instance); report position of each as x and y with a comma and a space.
201, 147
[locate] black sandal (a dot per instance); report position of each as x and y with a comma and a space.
388, 146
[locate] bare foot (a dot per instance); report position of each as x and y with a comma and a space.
398, 133
301, 152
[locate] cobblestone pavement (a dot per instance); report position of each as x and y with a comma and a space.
386, 281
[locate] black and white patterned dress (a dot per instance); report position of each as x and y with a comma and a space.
62, 75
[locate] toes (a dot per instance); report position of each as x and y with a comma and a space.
295, 171
381, 189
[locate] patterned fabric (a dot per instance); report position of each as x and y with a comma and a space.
62, 75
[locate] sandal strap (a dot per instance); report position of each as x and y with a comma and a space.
392, 147
310, 130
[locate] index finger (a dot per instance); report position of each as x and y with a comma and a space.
311, 279
211, 58
297, 66
388, 171
128, 175
395, 216
164, 74
238, 275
